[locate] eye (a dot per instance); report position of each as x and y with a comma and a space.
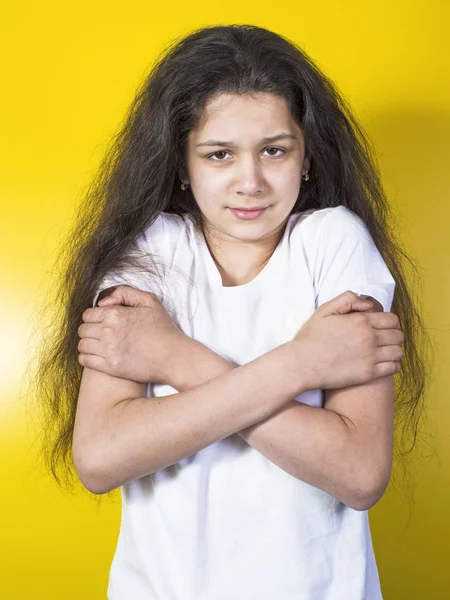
215, 154
274, 148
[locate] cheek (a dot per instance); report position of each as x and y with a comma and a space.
287, 180
206, 184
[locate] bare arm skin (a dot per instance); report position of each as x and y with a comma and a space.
344, 448
117, 440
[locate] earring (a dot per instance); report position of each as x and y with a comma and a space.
306, 176
184, 186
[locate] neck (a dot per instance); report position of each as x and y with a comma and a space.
239, 262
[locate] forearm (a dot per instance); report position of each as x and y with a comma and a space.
313, 444
135, 436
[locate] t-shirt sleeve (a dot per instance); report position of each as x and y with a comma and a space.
347, 259
150, 244
122, 278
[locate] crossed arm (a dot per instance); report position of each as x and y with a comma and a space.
344, 448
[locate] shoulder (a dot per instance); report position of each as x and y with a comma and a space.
340, 217
331, 226
343, 255
161, 244
166, 223
316, 219
165, 231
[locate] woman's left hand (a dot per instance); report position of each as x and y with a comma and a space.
130, 335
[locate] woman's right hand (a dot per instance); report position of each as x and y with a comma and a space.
339, 348
130, 335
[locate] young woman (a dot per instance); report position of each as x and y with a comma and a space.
231, 380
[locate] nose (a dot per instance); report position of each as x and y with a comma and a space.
249, 177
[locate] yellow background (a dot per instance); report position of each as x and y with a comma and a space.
69, 72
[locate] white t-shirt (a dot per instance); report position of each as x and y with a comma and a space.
226, 523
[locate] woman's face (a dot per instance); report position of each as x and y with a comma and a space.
231, 165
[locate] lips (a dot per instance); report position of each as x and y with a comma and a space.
248, 209
248, 214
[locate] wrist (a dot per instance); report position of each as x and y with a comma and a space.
194, 364
297, 366
177, 368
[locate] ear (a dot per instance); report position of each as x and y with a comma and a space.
306, 163
183, 175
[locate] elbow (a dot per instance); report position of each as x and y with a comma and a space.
95, 484
368, 494
364, 502
92, 472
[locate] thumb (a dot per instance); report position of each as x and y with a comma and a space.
126, 295
345, 303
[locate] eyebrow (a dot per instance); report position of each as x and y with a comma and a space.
265, 140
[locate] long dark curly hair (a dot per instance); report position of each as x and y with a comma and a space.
140, 176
